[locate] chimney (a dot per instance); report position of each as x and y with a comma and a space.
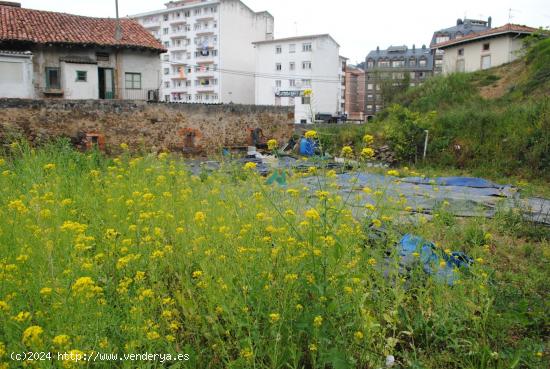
377, 49
423, 47
459, 22
490, 22
118, 27
10, 3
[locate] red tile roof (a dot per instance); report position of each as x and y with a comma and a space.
507, 28
43, 27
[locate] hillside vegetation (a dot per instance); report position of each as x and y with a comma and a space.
496, 121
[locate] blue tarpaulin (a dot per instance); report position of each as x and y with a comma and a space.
415, 249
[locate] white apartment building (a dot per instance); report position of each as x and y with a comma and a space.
210, 56
286, 68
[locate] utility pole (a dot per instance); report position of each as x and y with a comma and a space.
118, 30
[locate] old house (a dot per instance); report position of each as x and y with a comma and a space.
56, 55
483, 50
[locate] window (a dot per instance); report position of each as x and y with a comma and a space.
165, 17
167, 84
384, 63
81, 76
370, 86
422, 62
278, 49
187, 13
460, 52
398, 64
53, 78
306, 65
165, 31
278, 66
370, 64
412, 62
278, 83
292, 48
306, 47
369, 107
306, 82
166, 44
306, 100
166, 71
486, 47
292, 82
486, 62
441, 39
292, 66
133, 81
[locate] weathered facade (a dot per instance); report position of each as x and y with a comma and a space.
59, 55
396, 65
187, 128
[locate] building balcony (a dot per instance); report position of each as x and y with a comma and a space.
178, 21
152, 25
205, 18
205, 32
179, 36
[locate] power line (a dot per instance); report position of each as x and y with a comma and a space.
313, 78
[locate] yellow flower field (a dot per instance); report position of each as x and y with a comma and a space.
137, 254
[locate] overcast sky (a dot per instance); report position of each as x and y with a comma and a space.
358, 25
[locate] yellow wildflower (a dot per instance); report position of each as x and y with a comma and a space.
272, 144
32, 336
274, 317
318, 321
311, 134
250, 166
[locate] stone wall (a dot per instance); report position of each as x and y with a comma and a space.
193, 128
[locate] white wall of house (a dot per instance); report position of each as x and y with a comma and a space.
502, 49
16, 73
147, 65
227, 28
79, 90
324, 77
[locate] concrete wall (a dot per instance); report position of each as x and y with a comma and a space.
142, 125
16, 76
503, 49
325, 75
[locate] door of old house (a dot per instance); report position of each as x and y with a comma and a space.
106, 83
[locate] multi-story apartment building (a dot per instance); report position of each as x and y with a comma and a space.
464, 27
288, 69
355, 93
393, 67
210, 56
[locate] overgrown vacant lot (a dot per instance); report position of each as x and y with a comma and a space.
137, 254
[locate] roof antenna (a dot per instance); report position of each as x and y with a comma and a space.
118, 29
